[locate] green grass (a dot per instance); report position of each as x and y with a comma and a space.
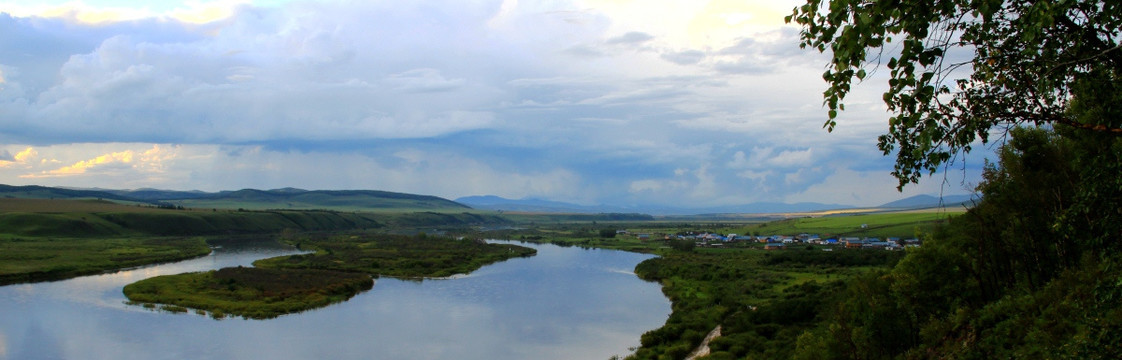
127, 221
249, 292
894, 224
41, 259
396, 255
341, 267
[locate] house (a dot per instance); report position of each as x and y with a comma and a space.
774, 246
643, 237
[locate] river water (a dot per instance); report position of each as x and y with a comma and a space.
563, 303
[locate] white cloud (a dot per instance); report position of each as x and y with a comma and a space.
604, 101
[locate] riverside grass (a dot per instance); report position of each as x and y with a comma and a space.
342, 266
253, 293
45, 259
888, 224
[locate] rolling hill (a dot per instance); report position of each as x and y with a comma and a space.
491, 202
249, 199
344, 200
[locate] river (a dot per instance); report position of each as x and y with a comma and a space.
563, 303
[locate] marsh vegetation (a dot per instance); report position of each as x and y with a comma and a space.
342, 266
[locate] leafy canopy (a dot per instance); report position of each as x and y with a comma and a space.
959, 70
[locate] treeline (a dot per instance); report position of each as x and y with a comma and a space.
843, 257
1031, 272
762, 300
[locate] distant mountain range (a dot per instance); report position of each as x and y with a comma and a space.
355, 200
286, 198
491, 202
928, 201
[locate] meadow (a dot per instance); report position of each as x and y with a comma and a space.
254, 293
902, 224
342, 266
43, 259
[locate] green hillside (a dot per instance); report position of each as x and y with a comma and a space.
43, 192
250, 199
341, 200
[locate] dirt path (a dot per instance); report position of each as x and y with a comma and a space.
703, 349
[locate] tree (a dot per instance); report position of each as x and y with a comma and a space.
1032, 61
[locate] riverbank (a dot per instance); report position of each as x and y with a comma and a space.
342, 266
252, 293
33, 259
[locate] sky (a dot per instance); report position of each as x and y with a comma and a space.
594, 102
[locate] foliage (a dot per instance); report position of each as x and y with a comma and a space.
341, 268
683, 244
1017, 276
24, 259
397, 255
1032, 62
842, 257
761, 305
249, 292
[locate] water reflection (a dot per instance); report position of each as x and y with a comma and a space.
564, 303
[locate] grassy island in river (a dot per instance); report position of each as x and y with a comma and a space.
342, 266
250, 292
397, 255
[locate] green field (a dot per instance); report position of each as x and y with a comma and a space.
43, 259
889, 224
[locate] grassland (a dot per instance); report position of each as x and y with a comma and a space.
395, 255
97, 218
43, 259
52, 239
248, 292
883, 225
341, 267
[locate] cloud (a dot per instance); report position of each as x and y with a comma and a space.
423, 80
148, 161
604, 101
684, 57
21, 158
630, 38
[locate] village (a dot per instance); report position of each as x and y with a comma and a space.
779, 242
